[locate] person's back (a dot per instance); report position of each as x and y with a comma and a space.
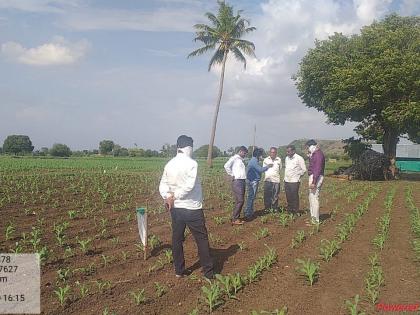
182, 179
181, 190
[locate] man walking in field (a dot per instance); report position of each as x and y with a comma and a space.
272, 180
235, 168
181, 190
295, 168
253, 177
316, 177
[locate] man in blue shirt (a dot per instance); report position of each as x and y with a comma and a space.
253, 176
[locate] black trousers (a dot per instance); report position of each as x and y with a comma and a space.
271, 195
194, 219
238, 188
292, 196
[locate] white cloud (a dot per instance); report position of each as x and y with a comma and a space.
57, 52
368, 10
265, 93
285, 30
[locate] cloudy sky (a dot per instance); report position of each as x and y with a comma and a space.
79, 71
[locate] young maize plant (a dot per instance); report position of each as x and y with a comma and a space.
308, 269
84, 245
262, 233
237, 282
63, 274
284, 219
298, 239
227, 285
83, 289
62, 294
328, 249
194, 312
160, 289
416, 248
168, 256
212, 295
352, 306
374, 279
108, 312
139, 296
10, 230
103, 285
343, 233
282, 311
253, 273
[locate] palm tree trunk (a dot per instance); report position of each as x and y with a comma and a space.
216, 113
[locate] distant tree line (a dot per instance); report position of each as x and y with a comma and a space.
22, 145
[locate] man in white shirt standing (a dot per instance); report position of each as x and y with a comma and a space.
295, 168
235, 168
181, 190
272, 180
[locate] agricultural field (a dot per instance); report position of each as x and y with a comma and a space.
79, 215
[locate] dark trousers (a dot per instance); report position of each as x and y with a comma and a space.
238, 188
292, 196
271, 195
195, 221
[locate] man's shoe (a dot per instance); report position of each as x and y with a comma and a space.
237, 222
179, 276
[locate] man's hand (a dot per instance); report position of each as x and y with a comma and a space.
312, 187
169, 202
270, 165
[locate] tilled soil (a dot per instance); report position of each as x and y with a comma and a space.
234, 249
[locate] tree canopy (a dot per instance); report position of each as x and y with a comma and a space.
372, 78
106, 146
202, 151
17, 144
59, 149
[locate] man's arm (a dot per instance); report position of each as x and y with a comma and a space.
316, 168
187, 184
265, 162
260, 169
164, 189
165, 192
302, 166
228, 166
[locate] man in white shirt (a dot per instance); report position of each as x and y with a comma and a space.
272, 180
235, 168
295, 168
181, 190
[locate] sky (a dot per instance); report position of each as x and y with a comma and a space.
80, 71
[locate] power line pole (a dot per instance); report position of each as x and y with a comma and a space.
255, 135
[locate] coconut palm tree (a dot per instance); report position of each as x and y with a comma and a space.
224, 35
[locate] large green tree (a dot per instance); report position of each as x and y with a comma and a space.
372, 78
225, 35
203, 151
17, 144
59, 149
106, 146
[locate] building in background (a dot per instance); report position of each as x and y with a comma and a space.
408, 156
